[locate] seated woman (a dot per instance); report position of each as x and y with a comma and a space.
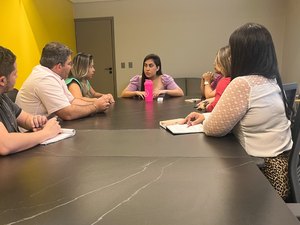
162, 83
209, 82
253, 105
222, 68
78, 81
211, 79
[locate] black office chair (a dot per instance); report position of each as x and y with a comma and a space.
294, 169
181, 82
290, 90
193, 87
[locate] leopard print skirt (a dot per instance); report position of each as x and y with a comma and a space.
276, 170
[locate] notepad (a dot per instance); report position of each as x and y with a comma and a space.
175, 127
65, 133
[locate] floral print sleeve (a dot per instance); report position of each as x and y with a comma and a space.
230, 109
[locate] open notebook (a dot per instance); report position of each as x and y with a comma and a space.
175, 127
65, 133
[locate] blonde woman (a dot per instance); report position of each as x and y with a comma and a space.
78, 81
222, 69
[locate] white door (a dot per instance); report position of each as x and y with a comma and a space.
95, 36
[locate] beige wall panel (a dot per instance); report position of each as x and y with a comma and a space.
291, 53
186, 34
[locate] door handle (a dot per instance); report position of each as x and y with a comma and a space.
109, 69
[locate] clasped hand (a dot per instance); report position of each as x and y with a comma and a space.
156, 93
103, 103
109, 97
39, 122
202, 105
208, 76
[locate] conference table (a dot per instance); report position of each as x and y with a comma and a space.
122, 168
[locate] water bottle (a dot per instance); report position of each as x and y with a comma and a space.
149, 90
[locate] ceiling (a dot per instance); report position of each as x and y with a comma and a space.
88, 1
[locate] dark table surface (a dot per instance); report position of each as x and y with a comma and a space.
134, 114
137, 190
144, 143
137, 174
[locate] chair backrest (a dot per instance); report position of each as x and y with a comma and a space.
294, 160
189, 85
290, 90
181, 82
193, 87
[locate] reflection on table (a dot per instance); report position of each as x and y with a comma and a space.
134, 114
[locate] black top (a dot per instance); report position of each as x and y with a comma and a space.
9, 113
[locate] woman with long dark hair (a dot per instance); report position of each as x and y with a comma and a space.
254, 105
162, 83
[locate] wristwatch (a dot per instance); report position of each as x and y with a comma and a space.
206, 82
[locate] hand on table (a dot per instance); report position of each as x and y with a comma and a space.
141, 94
194, 118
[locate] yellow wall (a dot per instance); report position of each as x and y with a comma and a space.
27, 25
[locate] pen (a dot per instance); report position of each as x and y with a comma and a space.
54, 116
189, 123
51, 116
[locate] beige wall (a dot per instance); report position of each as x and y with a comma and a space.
291, 53
186, 34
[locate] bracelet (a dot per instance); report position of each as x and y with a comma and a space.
95, 107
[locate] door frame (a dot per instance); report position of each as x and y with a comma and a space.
111, 19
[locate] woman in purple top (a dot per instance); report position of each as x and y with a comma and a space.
162, 83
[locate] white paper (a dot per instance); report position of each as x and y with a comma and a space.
65, 133
166, 123
185, 129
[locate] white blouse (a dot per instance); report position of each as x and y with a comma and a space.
253, 108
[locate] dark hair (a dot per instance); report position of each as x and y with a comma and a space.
7, 60
253, 52
54, 53
157, 62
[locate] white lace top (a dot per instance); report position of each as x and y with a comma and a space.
252, 107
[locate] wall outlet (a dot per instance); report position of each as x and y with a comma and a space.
130, 64
122, 65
